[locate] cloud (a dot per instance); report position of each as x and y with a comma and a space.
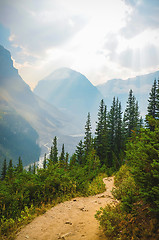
35, 28
139, 59
143, 15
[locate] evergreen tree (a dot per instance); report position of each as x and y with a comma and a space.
111, 132
118, 144
20, 165
53, 158
10, 170
62, 157
101, 141
152, 101
80, 153
66, 160
142, 155
44, 162
131, 120
55, 151
4, 169
88, 135
30, 168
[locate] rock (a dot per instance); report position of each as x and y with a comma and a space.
83, 209
64, 236
101, 196
67, 222
27, 237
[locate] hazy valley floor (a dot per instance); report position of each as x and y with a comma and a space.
71, 220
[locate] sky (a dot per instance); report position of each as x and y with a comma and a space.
102, 39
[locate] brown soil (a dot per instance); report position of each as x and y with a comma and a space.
71, 220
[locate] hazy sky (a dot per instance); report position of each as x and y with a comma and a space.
102, 39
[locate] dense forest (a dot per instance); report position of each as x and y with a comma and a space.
123, 144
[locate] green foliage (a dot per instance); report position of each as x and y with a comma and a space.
137, 189
125, 188
101, 139
4, 170
97, 185
153, 101
143, 156
131, 120
88, 134
110, 219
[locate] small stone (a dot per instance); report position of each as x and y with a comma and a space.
67, 222
64, 236
101, 196
27, 237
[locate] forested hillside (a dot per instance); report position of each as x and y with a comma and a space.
121, 144
17, 138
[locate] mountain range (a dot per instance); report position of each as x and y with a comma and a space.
141, 86
72, 93
58, 107
16, 98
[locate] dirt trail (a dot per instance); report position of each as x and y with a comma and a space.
71, 220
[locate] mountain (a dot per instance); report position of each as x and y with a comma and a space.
17, 138
19, 102
141, 86
71, 92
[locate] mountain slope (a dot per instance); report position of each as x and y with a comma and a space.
44, 118
141, 86
70, 91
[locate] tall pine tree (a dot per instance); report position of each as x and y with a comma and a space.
4, 169
131, 120
88, 135
152, 108
101, 139
62, 157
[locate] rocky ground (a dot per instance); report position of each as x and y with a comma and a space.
71, 220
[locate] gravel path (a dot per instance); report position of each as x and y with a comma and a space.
71, 220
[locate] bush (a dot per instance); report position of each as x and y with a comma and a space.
125, 188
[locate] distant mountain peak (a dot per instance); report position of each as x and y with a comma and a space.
64, 73
6, 63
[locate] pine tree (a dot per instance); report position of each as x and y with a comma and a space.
44, 162
111, 132
10, 170
4, 169
62, 157
66, 160
20, 165
131, 120
80, 153
88, 135
152, 101
101, 139
118, 134
55, 151
53, 158
30, 169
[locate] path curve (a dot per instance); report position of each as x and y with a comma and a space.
71, 220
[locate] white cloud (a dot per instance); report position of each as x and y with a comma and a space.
101, 39
144, 15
